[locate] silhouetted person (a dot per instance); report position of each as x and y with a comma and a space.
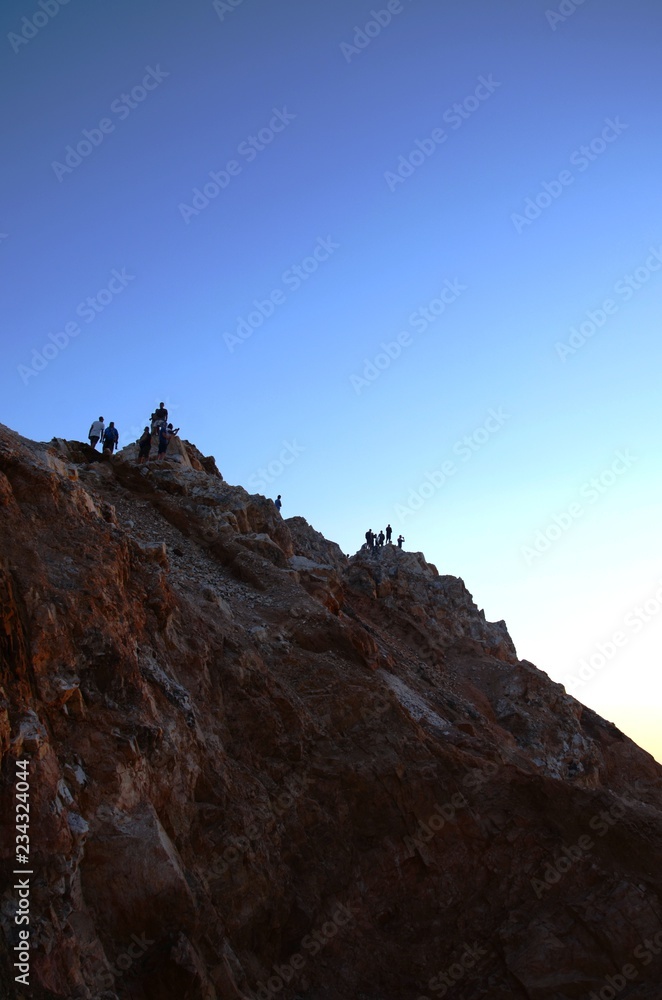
110, 438
400, 541
159, 417
165, 436
144, 446
380, 539
278, 502
370, 539
389, 532
96, 432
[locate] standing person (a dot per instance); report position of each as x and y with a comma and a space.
400, 541
380, 539
159, 417
145, 445
278, 503
389, 532
165, 434
96, 432
370, 539
110, 438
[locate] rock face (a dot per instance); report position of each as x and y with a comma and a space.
258, 768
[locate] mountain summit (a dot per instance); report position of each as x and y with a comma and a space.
258, 768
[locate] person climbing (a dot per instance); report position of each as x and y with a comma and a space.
278, 503
400, 541
144, 444
96, 432
110, 438
165, 436
389, 532
380, 539
159, 417
370, 539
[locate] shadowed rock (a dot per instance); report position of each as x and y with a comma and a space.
255, 761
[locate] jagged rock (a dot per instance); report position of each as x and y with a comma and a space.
256, 761
31, 738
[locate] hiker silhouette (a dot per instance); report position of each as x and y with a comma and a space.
110, 438
95, 432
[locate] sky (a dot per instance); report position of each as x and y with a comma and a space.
398, 262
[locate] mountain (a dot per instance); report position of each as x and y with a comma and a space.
256, 767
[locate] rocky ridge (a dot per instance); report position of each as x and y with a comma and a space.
259, 768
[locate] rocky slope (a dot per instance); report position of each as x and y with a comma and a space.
258, 768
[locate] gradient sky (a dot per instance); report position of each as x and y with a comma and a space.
410, 141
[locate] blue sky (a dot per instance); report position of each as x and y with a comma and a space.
420, 203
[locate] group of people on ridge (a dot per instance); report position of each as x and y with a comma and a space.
159, 426
374, 541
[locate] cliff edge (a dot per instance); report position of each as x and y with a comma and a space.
258, 768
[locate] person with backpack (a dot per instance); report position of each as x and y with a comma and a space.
165, 434
96, 432
110, 438
144, 446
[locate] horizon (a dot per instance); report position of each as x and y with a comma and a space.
397, 263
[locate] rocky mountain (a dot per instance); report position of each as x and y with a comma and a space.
257, 768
